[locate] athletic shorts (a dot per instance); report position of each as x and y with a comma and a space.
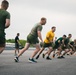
73, 48
56, 46
47, 45
2, 40
32, 40
65, 47
16, 45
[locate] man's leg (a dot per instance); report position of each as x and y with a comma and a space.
53, 56
65, 51
1, 49
59, 52
22, 51
40, 53
2, 45
36, 51
49, 52
18, 50
31, 59
15, 52
74, 53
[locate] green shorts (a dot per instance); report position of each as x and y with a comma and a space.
16, 45
73, 48
56, 46
47, 45
2, 40
65, 47
32, 40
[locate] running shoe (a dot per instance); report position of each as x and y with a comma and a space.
48, 58
62, 57
16, 59
32, 60
43, 55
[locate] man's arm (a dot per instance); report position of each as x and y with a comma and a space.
39, 35
7, 24
48, 39
70, 45
18, 42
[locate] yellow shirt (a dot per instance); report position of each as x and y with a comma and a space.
50, 35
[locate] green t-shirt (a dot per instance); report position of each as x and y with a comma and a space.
58, 40
66, 41
3, 16
37, 27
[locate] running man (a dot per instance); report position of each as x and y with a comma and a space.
48, 43
32, 38
66, 45
4, 23
72, 47
17, 43
58, 45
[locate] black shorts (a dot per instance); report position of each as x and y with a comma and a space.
16, 45
56, 46
47, 45
2, 40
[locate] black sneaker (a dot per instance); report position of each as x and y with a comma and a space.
37, 57
43, 55
16, 59
59, 57
32, 60
62, 57
68, 54
48, 58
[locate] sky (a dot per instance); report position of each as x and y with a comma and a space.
26, 13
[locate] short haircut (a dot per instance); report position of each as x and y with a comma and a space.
69, 34
5, 3
53, 27
64, 35
17, 33
43, 18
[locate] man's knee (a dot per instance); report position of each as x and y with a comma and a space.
1, 49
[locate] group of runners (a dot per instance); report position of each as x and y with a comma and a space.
35, 37
59, 47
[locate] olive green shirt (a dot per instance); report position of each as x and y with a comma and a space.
66, 41
3, 16
37, 27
